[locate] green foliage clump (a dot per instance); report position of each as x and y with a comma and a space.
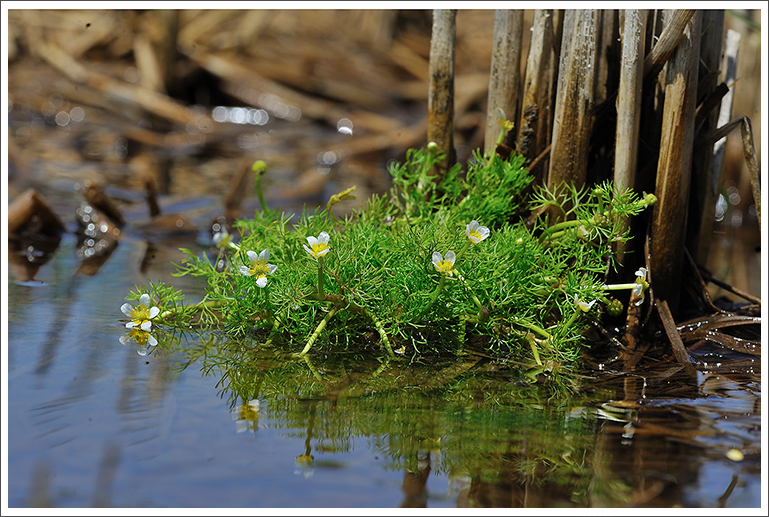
374, 279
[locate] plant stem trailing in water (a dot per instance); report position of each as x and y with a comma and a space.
392, 272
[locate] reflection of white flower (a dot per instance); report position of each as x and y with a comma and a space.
259, 267
247, 416
583, 306
476, 232
318, 247
141, 338
140, 314
444, 266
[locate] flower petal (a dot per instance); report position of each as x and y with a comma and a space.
437, 257
307, 249
312, 240
144, 300
154, 311
245, 270
262, 281
264, 255
131, 325
151, 341
451, 256
252, 256
271, 268
146, 326
323, 237
127, 308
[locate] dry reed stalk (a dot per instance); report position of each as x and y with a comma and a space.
674, 165
701, 201
629, 103
440, 100
629, 98
573, 122
671, 36
729, 69
153, 102
505, 76
533, 133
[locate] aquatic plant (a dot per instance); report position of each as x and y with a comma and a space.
416, 267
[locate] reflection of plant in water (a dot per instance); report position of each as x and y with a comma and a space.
471, 418
426, 267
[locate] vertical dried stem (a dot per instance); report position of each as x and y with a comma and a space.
533, 127
629, 98
575, 98
440, 101
674, 165
505, 76
701, 202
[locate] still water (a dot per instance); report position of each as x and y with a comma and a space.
199, 421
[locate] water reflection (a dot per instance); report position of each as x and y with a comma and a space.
202, 420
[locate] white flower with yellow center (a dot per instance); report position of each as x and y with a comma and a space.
222, 239
445, 266
318, 247
140, 314
259, 267
475, 232
583, 306
640, 285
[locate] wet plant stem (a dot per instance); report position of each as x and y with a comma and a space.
318, 330
321, 292
533, 344
436, 294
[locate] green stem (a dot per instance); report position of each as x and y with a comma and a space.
533, 345
523, 323
205, 303
551, 232
321, 293
318, 330
382, 333
617, 287
259, 193
437, 293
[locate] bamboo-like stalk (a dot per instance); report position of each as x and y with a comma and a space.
575, 98
533, 127
440, 100
505, 75
674, 165
671, 36
701, 202
629, 98
729, 69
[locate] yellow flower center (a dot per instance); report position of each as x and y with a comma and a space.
140, 314
319, 248
140, 336
259, 268
444, 266
475, 236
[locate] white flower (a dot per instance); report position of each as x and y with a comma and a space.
444, 266
318, 247
640, 286
140, 314
476, 232
259, 267
222, 239
583, 306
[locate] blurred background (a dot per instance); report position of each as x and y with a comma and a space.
181, 102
